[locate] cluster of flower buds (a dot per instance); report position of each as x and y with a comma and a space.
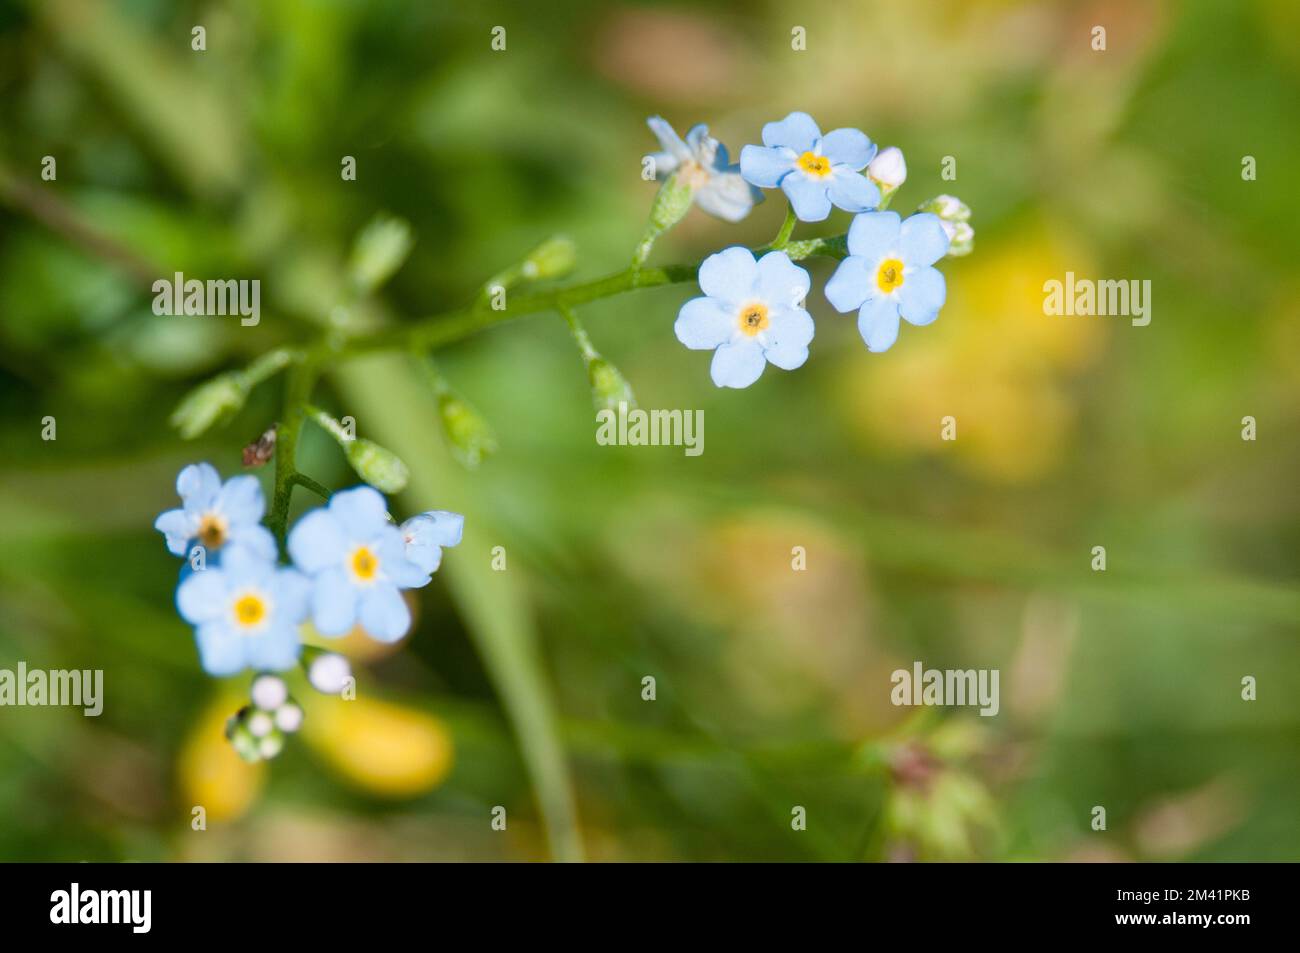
257, 730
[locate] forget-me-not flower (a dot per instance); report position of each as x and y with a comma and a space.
702, 161
357, 562
246, 612
216, 514
887, 274
752, 313
814, 171
426, 533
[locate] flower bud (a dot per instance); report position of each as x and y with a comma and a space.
671, 203
329, 672
210, 402
241, 739
947, 207
378, 466
888, 170
553, 258
288, 718
269, 692
954, 215
468, 434
379, 250
608, 387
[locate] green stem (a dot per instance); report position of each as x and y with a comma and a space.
450, 327
308, 483
783, 236
297, 389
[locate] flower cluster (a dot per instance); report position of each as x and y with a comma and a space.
752, 312
350, 565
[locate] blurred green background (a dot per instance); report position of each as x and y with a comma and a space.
523, 688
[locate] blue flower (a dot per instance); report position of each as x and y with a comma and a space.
427, 533
702, 161
246, 612
216, 514
888, 274
357, 562
814, 171
752, 313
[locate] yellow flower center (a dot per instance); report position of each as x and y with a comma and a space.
212, 531
250, 610
753, 318
890, 275
813, 164
365, 564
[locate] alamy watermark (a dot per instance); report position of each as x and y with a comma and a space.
943, 687
212, 297
1128, 297
131, 907
77, 688
636, 427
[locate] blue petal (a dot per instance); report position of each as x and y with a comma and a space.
849, 147
726, 196
425, 555
921, 295
669, 141
663, 163
318, 541
257, 539
808, 196
853, 192
796, 131
878, 323
291, 597
729, 275
202, 596
704, 323
445, 528
361, 510
333, 603
781, 283
242, 564
221, 649
737, 363
241, 500
274, 649
923, 239
409, 571
765, 167
850, 285
696, 137
787, 338
198, 485
179, 527
873, 235
384, 613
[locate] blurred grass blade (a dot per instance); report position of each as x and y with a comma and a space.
386, 389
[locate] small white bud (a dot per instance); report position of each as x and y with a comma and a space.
288, 717
260, 724
269, 692
270, 746
887, 169
329, 672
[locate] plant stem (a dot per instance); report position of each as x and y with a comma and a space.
442, 329
297, 389
783, 236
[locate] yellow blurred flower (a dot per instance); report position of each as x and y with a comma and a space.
211, 775
993, 361
382, 747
